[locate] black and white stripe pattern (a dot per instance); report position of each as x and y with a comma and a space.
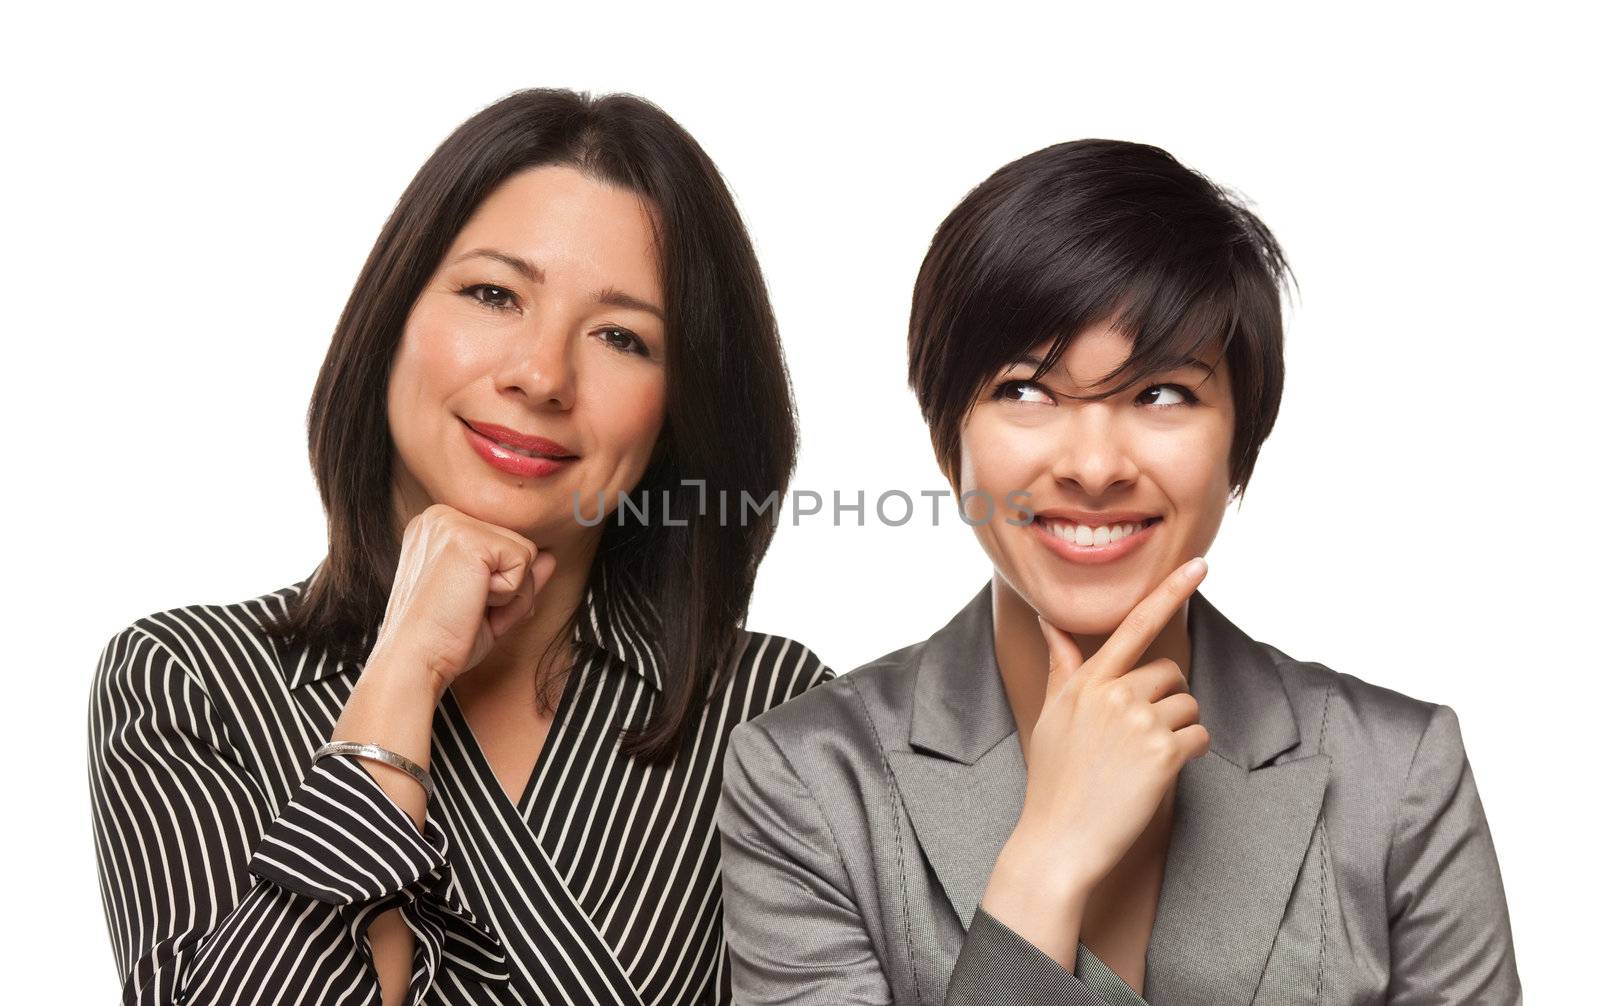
233, 870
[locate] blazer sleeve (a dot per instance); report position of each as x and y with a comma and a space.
793, 932
1449, 929
210, 897
793, 927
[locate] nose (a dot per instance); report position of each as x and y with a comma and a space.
1091, 457
542, 370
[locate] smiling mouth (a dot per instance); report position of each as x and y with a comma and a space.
1086, 536
549, 450
531, 454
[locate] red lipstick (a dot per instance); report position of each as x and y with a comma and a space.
502, 448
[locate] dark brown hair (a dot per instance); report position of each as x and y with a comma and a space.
729, 416
1098, 231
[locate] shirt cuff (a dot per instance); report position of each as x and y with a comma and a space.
341, 840
997, 966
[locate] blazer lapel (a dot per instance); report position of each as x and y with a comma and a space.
964, 777
1241, 824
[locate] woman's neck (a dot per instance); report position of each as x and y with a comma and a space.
1024, 659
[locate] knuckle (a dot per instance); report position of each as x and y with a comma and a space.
457, 531
1166, 748
1174, 677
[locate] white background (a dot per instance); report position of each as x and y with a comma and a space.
190, 193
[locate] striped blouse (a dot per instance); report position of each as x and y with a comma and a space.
235, 870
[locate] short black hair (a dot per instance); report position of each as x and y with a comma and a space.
1094, 231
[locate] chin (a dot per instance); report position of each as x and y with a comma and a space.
1087, 611
1082, 622
514, 515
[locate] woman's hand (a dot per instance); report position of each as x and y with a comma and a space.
1111, 737
460, 585
1107, 747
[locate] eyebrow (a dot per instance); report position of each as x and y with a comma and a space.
616, 298
532, 272
610, 295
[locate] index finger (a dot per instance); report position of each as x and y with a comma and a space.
1138, 630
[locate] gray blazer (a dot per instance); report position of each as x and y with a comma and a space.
1329, 847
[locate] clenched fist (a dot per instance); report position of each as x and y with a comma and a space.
460, 585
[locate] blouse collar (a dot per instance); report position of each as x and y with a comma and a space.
620, 620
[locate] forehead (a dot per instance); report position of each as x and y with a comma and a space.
555, 214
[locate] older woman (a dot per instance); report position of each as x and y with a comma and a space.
473, 757
1090, 786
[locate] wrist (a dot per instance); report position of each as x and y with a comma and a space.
1038, 900
1044, 875
403, 675
392, 705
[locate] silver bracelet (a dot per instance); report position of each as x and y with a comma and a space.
379, 754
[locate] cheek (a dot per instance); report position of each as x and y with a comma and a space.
407, 389
631, 419
999, 459
442, 351
432, 356
1192, 472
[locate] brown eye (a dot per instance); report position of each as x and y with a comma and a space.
495, 297
1166, 396
1022, 392
624, 340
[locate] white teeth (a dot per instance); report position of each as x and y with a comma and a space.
1081, 534
516, 450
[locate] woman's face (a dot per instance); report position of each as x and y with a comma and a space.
1154, 456
541, 327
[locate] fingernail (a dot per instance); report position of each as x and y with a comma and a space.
1194, 567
